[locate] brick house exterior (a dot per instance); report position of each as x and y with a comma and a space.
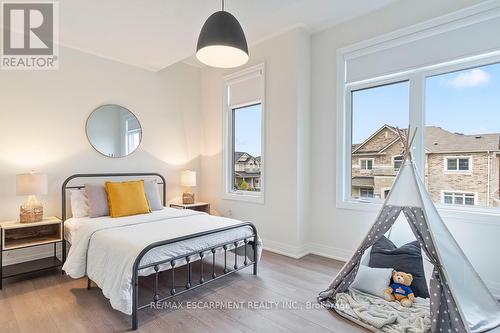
459, 169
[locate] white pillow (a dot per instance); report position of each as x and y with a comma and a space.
428, 269
79, 203
365, 259
372, 281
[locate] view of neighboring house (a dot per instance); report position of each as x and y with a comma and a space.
246, 172
459, 169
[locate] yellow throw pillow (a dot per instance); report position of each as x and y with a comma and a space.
127, 198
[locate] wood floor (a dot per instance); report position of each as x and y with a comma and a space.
51, 302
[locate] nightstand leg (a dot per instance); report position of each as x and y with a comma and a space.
64, 251
1, 260
63, 254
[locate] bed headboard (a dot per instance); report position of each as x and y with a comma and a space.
66, 187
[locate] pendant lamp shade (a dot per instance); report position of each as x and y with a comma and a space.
222, 42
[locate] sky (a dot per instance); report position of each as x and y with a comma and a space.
247, 122
467, 102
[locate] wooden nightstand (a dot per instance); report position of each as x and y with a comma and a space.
198, 206
16, 235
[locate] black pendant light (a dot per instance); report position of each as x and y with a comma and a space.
222, 42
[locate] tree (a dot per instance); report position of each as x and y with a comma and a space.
244, 186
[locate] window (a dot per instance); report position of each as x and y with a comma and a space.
471, 96
366, 193
247, 133
451, 96
457, 164
455, 108
133, 135
377, 112
397, 161
366, 164
458, 198
244, 135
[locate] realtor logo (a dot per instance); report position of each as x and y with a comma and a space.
29, 35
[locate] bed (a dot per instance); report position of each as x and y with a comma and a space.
115, 252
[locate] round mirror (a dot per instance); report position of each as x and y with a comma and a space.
114, 131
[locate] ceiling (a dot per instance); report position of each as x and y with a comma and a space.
154, 34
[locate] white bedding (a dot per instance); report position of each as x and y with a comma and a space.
105, 248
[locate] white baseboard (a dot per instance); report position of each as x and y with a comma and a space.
336, 253
328, 251
295, 252
298, 252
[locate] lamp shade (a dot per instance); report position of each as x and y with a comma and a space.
31, 184
222, 42
188, 178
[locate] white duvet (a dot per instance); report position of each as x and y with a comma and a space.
105, 248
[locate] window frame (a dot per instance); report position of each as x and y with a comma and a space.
457, 171
228, 192
129, 132
367, 160
366, 189
393, 159
233, 148
462, 194
417, 83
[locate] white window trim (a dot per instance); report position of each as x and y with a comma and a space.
228, 193
452, 172
475, 194
366, 159
416, 78
129, 131
393, 159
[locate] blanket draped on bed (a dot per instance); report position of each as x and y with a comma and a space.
105, 249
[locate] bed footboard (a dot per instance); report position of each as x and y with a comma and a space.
190, 258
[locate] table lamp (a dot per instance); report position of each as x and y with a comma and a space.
188, 180
31, 184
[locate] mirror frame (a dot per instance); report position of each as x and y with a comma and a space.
90, 141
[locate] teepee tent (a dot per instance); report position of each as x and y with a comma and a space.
459, 299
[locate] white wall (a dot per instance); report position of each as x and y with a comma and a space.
43, 115
281, 219
300, 214
336, 232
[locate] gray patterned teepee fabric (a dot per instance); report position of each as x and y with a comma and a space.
459, 300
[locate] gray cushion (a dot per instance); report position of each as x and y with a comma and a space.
152, 194
407, 258
97, 200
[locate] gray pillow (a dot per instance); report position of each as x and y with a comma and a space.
152, 194
97, 199
407, 258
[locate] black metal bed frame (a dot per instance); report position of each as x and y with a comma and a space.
190, 258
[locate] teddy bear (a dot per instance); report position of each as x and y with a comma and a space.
400, 289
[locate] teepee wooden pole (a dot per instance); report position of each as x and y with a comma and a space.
406, 142
410, 144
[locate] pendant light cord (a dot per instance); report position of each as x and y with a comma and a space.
222, 5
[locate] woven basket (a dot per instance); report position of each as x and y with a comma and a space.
187, 198
31, 215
